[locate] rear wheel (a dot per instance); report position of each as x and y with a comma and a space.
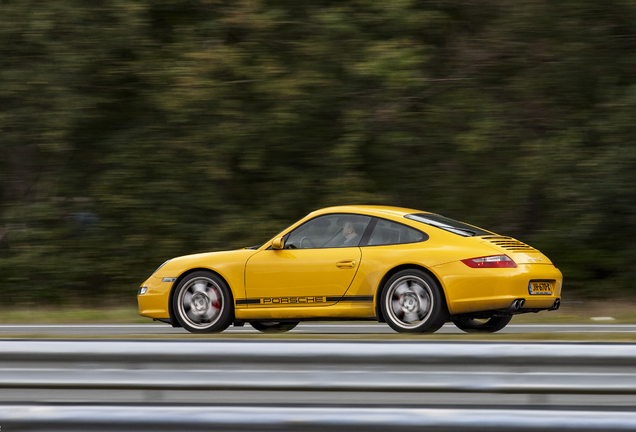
203, 303
273, 326
413, 302
488, 325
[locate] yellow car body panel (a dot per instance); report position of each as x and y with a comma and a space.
343, 310
346, 282
229, 265
470, 290
154, 302
300, 277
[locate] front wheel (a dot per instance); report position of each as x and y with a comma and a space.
413, 302
203, 303
489, 325
273, 327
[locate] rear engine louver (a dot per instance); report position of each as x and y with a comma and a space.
510, 244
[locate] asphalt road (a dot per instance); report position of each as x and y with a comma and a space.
352, 328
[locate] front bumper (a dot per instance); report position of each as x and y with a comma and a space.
154, 303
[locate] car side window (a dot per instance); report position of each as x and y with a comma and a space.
387, 233
328, 231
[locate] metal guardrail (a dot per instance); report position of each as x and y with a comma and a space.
320, 380
157, 370
318, 352
321, 366
160, 419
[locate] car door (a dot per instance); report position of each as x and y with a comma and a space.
315, 267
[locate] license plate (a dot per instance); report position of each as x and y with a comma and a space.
540, 287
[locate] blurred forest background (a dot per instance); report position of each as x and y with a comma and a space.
135, 131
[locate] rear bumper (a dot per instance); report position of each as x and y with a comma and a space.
470, 290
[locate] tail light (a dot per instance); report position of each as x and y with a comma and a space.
494, 261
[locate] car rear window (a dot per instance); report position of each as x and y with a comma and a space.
388, 233
447, 224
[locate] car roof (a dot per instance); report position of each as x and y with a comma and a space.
372, 210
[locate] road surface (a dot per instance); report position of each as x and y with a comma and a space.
351, 328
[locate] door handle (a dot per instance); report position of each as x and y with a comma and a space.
346, 264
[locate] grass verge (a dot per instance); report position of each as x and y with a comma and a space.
71, 315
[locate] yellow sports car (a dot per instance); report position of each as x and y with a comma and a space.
411, 269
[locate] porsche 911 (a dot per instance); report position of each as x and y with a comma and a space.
410, 269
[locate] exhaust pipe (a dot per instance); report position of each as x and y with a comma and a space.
516, 305
556, 305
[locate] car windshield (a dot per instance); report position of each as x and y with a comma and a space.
448, 224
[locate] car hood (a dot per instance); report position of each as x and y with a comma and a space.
207, 260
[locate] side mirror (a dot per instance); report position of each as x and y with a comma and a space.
278, 243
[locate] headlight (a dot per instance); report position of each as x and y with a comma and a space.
160, 267
142, 290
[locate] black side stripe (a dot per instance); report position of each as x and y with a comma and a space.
248, 301
354, 299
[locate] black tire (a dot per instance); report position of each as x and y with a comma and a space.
273, 326
203, 303
490, 325
413, 302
